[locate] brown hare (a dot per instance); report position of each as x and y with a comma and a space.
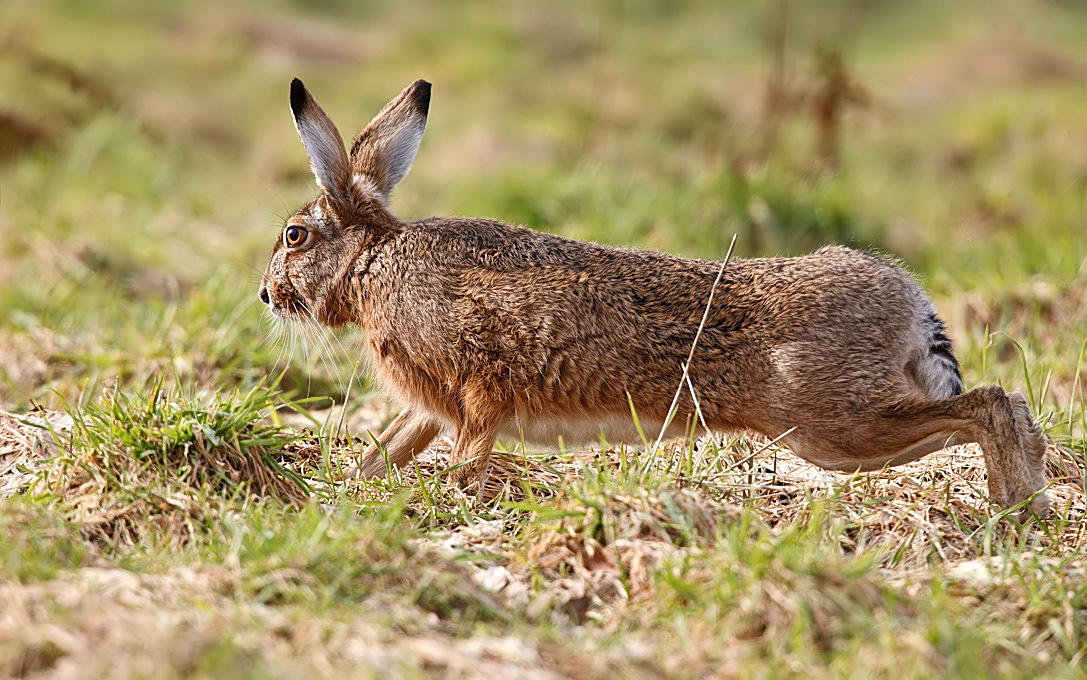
487, 330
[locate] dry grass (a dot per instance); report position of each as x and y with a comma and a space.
929, 505
115, 623
602, 539
596, 540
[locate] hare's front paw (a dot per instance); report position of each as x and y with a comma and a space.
472, 478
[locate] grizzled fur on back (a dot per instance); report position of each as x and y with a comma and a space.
482, 330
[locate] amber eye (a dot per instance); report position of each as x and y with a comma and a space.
294, 236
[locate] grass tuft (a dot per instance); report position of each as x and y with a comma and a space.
164, 465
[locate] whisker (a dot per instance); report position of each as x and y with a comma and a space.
274, 327
318, 334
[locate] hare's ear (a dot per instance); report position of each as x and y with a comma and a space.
323, 143
383, 153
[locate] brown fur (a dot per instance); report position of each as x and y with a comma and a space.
486, 329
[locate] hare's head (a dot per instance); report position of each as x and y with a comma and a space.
315, 254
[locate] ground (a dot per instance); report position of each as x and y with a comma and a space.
176, 488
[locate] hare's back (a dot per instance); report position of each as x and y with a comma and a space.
507, 289
544, 279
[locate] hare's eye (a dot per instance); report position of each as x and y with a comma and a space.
294, 236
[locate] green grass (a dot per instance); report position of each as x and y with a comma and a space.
186, 528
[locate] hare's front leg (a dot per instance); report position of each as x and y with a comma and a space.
481, 415
472, 445
407, 436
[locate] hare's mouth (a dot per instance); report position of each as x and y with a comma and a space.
285, 305
292, 310
279, 313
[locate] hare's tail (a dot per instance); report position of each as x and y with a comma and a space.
939, 368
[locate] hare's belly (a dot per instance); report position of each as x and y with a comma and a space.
577, 431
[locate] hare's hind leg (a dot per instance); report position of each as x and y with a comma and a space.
1010, 441
915, 427
409, 434
1033, 442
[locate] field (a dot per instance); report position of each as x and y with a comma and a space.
175, 490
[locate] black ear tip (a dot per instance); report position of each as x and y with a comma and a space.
420, 94
298, 95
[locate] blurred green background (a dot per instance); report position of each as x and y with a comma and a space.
147, 160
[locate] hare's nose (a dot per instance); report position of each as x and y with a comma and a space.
264, 294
